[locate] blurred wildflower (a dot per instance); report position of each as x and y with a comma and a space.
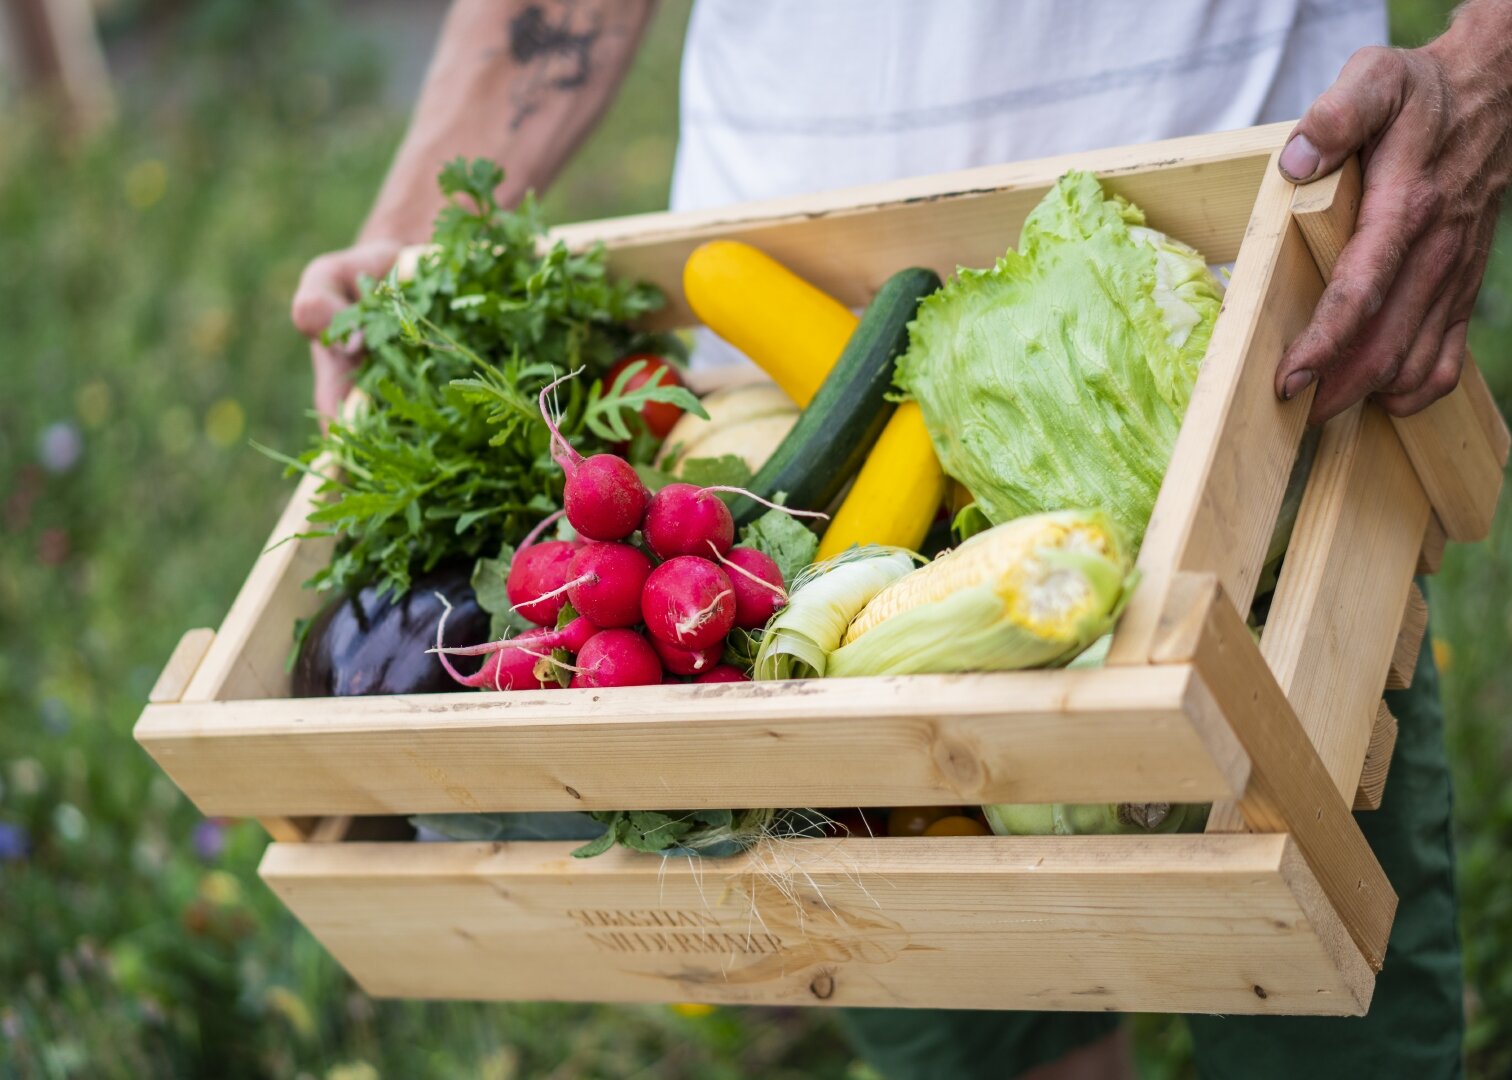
146, 181
70, 822
52, 547
27, 776
286, 1003
14, 843
10, 1025
352, 1070
220, 888
209, 838
359, 1008
60, 446
225, 422
92, 403
691, 1009
1443, 654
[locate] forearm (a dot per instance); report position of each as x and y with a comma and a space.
521, 82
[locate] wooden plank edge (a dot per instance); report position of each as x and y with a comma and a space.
1355, 972
1261, 141
1383, 738
1290, 790
185, 660
1409, 642
567, 750
1434, 541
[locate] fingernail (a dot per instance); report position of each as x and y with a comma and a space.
1299, 160
1295, 383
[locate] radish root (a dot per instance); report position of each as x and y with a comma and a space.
701, 616
561, 450
764, 502
763, 582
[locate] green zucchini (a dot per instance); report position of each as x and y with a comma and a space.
829, 444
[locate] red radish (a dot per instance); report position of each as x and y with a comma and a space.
660, 416
680, 661
723, 673
603, 497
682, 519
516, 665
617, 658
606, 583
688, 601
540, 571
757, 582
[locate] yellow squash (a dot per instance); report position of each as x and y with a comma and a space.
790, 329
897, 492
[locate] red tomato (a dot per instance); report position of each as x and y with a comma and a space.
658, 415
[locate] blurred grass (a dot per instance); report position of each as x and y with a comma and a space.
146, 278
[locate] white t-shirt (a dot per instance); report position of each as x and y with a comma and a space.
787, 96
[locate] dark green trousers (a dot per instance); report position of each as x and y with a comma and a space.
1415, 1025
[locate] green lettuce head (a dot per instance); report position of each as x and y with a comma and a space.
1059, 377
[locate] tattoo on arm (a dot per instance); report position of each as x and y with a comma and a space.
556, 52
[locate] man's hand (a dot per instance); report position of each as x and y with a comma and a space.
328, 284
1433, 127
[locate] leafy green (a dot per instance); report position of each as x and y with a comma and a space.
1058, 378
782, 537
449, 457
728, 470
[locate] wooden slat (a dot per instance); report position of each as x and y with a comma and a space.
848, 242
1377, 761
1222, 492
187, 655
289, 830
1434, 539
1051, 736
1225, 924
247, 658
1290, 789
1334, 620
1409, 642
1459, 444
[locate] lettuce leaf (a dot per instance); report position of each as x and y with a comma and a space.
1058, 378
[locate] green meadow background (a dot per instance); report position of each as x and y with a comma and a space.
145, 277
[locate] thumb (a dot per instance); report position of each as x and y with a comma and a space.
1348, 115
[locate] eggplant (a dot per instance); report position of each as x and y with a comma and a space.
361, 643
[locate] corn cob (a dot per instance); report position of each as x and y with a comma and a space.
1028, 593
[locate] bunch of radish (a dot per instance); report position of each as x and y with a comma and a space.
656, 581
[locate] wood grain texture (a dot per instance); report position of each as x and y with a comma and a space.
1409, 642
1228, 472
848, 242
1052, 736
1459, 444
187, 656
1334, 621
246, 660
1290, 789
1383, 738
1213, 924
1459, 448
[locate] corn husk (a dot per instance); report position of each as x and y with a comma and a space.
1033, 592
823, 601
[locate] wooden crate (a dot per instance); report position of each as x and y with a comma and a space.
1279, 908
